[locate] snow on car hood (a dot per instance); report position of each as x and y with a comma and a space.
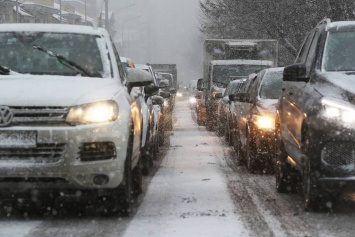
39, 90
335, 84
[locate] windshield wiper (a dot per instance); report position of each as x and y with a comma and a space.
4, 70
66, 62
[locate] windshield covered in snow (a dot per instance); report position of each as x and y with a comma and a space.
222, 74
340, 52
18, 53
271, 85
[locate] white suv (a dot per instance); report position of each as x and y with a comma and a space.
67, 120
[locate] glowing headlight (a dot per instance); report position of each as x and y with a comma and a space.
338, 110
166, 103
192, 100
179, 94
264, 121
100, 112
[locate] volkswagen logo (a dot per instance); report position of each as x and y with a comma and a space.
6, 116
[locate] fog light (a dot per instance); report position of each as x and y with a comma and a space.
101, 179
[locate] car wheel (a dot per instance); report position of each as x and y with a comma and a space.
238, 148
315, 199
252, 157
137, 179
220, 129
286, 176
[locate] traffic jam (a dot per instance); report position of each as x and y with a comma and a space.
96, 140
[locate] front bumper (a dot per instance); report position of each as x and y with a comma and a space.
332, 152
67, 170
264, 141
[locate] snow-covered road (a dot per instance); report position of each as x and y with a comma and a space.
188, 195
197, 188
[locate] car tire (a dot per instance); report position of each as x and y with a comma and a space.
251, 156
315, 198
220, 131
238, 148
137, 179
286, 177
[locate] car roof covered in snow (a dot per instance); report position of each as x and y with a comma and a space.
341, 26
242, 62
57, 28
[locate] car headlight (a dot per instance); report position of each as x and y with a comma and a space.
192, 100
100, 112
166, 103
338, 110
264, 121
179, 94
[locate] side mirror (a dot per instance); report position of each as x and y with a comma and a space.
295, 72
200, 86
151, 90
218, 95
157, 100
138, 77
165, 94
226, 99
172, 91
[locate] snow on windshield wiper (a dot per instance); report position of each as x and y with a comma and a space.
66, 62
4, 70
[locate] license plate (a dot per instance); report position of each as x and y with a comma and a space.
18, 139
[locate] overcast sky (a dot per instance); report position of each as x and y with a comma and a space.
161, 31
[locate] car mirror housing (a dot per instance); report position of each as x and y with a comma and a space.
157, 100
296, 72
218, 95
138, 77
165, 94
151, 90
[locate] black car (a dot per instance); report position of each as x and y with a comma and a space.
316, 117
254, 122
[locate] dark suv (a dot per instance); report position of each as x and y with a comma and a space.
316, 117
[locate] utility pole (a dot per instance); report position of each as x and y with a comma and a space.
86, 22
106, 16
60, 11
17, 19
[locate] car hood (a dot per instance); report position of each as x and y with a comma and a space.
338, 85
30, 90
267, 106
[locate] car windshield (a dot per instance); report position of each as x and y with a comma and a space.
339, 53
271, 85
223, 74
18, 53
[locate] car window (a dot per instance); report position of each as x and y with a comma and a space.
271, 85
339, 52
18, 52
305, 48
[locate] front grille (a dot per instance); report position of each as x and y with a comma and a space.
339, 153
43, 153
97, 151
39, 115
